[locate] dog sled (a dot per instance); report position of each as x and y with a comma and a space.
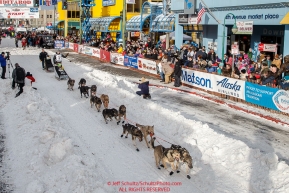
48, 64
60, 73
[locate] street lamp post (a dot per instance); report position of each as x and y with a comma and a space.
234, 30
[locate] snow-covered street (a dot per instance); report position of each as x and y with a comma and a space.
56, 143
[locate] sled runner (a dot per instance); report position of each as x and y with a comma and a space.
60, 73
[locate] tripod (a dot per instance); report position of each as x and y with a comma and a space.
9, 63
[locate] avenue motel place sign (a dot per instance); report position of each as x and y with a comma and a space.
20, 3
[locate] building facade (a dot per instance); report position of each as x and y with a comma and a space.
265, 17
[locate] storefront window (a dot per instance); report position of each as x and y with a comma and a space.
135, 7
73, 14
68, 14
77, 14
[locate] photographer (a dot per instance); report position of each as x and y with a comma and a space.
18, 76
3, 64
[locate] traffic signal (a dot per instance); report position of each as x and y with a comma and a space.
64, 5
36, 3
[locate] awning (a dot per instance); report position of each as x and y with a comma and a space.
102, 24
285, 19
135, 23
72, 24
163, 23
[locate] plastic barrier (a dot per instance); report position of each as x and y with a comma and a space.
263, 96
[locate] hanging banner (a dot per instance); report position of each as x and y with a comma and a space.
130, 61
105, 55
96, 52
244, 27
16, 3
88, 50
228, 86
147, 65
59, 44
267, 47
71, 46
198, 79
18, 13
190, 6
116, 58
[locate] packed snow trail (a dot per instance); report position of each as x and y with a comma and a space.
53, 119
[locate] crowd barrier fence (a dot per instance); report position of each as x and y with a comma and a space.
265, 97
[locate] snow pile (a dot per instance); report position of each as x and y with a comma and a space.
44, 156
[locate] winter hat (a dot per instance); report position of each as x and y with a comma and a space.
28, 74
143, 80
16, 64
243, 71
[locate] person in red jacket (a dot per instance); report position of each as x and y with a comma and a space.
24, 42
30, 77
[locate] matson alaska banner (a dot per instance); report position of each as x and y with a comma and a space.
18, 13
16, 3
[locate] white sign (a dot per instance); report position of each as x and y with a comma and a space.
212, 45
192, 19
235, 49
96, 52
244, 27
130, 1
71, 46
116, 58
197, 79
281, 100
14, 3
270, 48
228, 86
18, 13
147, 65
87, 50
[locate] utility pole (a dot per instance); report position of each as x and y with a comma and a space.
54, 19
80, 24
123, 24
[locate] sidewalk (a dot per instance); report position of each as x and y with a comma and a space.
154, 81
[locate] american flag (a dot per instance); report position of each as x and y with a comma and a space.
201, 12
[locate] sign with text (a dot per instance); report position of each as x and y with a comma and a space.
198, 79
130, 61
18, 13
96, 52
80, 48
105, 55
16, 3
190, 6
108, 2
87, 50
228, 86
267, 47
75, 48
235, 49
116, 58
149, 66
192, 19
71, 46
183, 18
59, 44
245, 27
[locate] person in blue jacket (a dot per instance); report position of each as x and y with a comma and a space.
3, 64
144, 88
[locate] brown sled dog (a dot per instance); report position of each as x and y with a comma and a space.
166, 155
105, 100
146, 130
121, 113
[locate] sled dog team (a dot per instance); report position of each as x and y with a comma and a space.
174, 155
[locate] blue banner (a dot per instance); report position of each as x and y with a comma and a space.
66, 44
130, 61
260, 95
59, 44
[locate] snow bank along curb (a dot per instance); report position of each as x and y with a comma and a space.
234, 88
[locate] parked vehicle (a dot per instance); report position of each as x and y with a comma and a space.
48, 41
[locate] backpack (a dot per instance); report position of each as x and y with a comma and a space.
20, 74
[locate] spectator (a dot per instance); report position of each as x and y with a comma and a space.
277, 61
3, 64
42, 57
168, 71
212, 55
227, 71
228, 60
18, 76
177, 72
268, 60
189, 62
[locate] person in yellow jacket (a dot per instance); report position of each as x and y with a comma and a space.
120, 49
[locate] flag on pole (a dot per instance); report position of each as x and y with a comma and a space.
201, 12
48, 2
